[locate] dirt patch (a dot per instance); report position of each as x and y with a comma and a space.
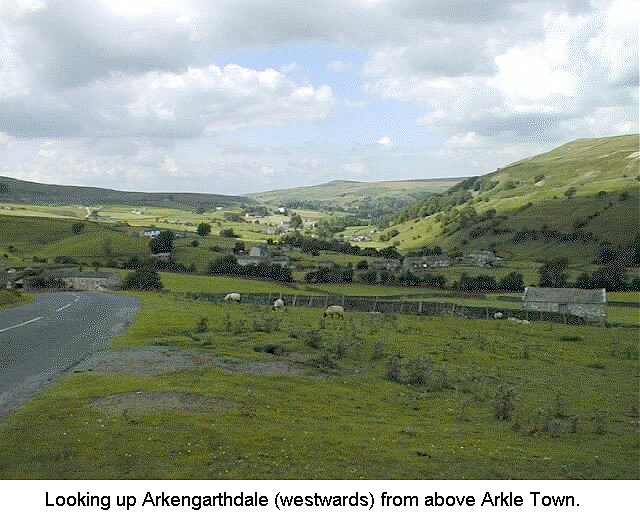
152, 361
141, 403
139, 362
259, 368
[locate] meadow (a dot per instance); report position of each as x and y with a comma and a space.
198, 390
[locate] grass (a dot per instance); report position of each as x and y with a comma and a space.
12, 299
336, 414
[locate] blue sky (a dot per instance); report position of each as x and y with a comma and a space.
238, 96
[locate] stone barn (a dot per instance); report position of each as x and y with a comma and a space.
590, 304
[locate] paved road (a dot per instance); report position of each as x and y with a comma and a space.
44, 338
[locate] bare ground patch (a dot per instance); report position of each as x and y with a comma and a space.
140, 403
150, 361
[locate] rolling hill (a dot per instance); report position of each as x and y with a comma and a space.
25, 192
567, 201
356, 197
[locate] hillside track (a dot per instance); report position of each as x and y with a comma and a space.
43, 339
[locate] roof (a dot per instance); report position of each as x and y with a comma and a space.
557, 295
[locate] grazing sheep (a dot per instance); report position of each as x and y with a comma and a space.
233, 297
522, 322
278, 304
497, 316
334, 311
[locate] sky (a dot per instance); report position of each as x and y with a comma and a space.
242, 96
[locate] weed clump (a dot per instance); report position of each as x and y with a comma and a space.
503, 402
313, 339
202, 325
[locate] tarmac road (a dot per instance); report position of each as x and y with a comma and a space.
42, 339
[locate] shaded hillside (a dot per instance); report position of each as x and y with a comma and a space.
25, 192
567, 201
365, 198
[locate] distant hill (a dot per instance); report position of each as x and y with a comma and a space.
357, 197
18, 191
566, 201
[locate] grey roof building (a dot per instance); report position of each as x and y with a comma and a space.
590, 304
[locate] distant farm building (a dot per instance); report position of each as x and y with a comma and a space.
589, 304
151, 233
416, 264
162, 257
483, 258
385, 264
90, 281
259, 252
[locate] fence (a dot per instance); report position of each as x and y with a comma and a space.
391, 306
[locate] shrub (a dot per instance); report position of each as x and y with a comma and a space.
394, 369
503, 402
143, 280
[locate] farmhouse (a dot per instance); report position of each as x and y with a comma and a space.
386, 264
420, 263
590, 304
483, 258
259, 252
151, 233
90, 281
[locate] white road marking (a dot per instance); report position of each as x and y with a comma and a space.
77, 298
63, 307
21, 324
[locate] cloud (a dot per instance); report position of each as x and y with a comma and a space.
197, 101
385, 142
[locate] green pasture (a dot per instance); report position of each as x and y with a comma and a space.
288, 395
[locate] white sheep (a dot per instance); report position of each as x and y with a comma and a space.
334, 311
233, 297
497, 316
278, 304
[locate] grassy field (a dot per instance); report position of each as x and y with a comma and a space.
12, 298
265, 395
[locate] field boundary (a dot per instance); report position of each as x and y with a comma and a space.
385, 305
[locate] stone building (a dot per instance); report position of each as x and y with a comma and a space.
590, 304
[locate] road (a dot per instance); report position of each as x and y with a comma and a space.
42, 339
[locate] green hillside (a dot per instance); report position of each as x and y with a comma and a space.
567, 201
24, 192
354, 197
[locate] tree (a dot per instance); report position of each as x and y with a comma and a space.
552, 273
143, 279
77, 227
238, 247
163, 243
512, 282
296, 221
228, 233
203, 229
362, 265
4, 187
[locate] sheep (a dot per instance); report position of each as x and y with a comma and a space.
497, 316
278, 304
522, 322
233, 297
334, 311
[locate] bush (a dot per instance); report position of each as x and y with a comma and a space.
203, 229
143, 280
503, 402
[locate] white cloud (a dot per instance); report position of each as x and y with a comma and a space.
385, 142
